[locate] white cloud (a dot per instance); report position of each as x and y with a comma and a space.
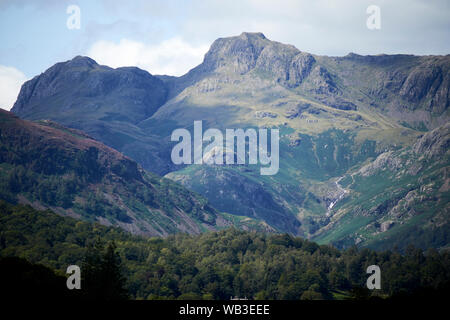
11, 80
171, 57
326, 27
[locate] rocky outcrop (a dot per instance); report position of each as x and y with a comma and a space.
300, 68
428, 83
386, 160
336, 101
253, 51
238, 54
386, 225
265, 114
434, 143
322, 82
295, 111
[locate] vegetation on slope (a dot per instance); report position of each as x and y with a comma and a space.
49, 166
219, 265
400, 198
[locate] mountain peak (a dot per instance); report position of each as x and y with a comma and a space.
246, 52
239, 52
246, 35
66, 86
82, 61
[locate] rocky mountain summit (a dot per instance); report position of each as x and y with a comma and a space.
98, 90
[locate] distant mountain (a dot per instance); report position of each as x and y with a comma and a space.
49, 166
104, 102
335, 115
100, 92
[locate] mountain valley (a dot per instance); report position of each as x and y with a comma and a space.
363, 139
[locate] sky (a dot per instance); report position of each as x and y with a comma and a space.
172, 36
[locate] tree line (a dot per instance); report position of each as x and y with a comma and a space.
215, 265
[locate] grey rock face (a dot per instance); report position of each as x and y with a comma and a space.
386, 160
385, 226
441, 99
276, 59
300, 68
419, 82
241, 53
265, 114
296, 110
322, 81
434, 143
251, 51
337, 102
